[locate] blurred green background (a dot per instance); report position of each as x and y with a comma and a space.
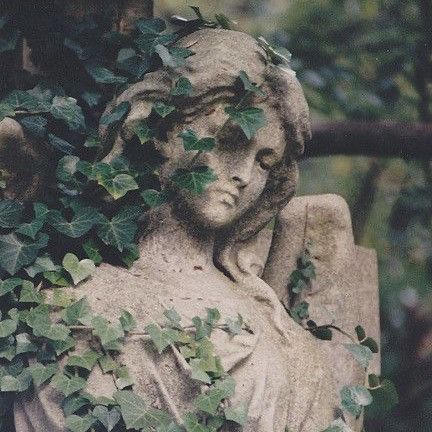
367, 60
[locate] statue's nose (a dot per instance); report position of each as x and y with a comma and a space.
242, 170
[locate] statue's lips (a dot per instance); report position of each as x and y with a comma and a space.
228, 197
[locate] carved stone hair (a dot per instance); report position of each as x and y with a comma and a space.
219, 56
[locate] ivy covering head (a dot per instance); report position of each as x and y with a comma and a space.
234, 106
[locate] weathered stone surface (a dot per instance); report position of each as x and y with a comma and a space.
282, 372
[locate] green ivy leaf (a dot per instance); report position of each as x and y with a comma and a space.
248, 85
76, 423
121, 229
361, 353
9, 43
83, 220
174, 318
119, 185
79, 270
7, 327
135, 64
67, 385
41, 373
162, 109
75, 402
300, 312
21, 99
107, 364
338, 426
104, 76
151, 25
24, 344
42, 264
15, 253
154, 198
237, 414
167, 58
192, 424
192, 142
108, 418
123, 378
107, 333
195, 180
67, 109
9, 285
10, 213
61, 346
385, 397
60, 144
127, 321
77, 313
19, 383
209, 402
143, 132
92, 251
29, 294
116, 115
32, 228
234, 326
161, 338
249, 119
86, 360
371, 344
34, 125
6, 110
354, 398
133, 409
182, 87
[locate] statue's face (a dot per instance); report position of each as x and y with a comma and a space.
241, 166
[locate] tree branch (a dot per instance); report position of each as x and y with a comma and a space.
379, 139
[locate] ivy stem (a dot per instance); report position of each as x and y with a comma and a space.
336, 328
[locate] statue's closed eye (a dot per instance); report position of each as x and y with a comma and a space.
267, 158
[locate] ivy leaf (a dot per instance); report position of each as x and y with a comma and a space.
129, 61
119, 185
32, 228
192, 424
183, 87
76, 423
41, 373
67, 385
147, 42
123, 378
77, 313
161, 338
16, 253
127, 321
92, 251
104, 76
24, 344
19, 383
61, 347
34, 125
107, 333
300, 312
21, 99
133, 409
82, 222
60, 144
67, 109
195, 180
92, 99
338, 426
41, 265
385, 396
9, 43
108, 418
167, 58
86, 360
58, 278
151, 25
237, 414
234, 326
121, 229
143, 132
6, 110
249, 119
116, 115
74, 402
361, 353
79, 270
7, 327
154, 198
10, 213
107, 364
29, 294
354, 398
192, 142
198, 373
371, 344
162, 109
248, 85
174, 318
9, 285
209, 402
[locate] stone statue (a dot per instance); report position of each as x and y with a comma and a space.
191, 249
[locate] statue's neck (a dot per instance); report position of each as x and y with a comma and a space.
174, 245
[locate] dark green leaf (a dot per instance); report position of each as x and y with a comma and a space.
354, 398
104, 76
108, 418
76, 423
129, 61
361, 353
86, 360
10, 213
79, 270
77, 313
162, 109
248, 85
237, 414
41, 373
67, 109
67, 385
133, 409
195, 180
371, 344
154, 198
249, 119
192, 142
127, 321
151, 25
183, 87
31, 229
16, 253
9, 285
161, 338
6, 110
116, 115
60, 144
